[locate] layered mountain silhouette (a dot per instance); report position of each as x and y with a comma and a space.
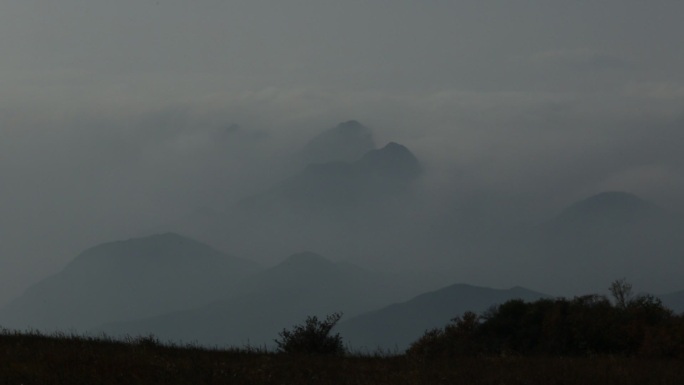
336, 185
350, 201
336, 208
347, 142
396, 326
303, 284
125, 280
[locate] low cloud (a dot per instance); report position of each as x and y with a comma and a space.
579, 59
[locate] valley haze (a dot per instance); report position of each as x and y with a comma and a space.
163, 164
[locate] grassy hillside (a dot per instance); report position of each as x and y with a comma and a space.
61, 359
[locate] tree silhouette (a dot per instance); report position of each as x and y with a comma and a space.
622, 292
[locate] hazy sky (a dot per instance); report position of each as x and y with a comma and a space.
118, 117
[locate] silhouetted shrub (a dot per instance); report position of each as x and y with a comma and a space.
313, 337
584, 325
456, 338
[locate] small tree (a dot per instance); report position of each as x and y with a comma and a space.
313, 337
622, 292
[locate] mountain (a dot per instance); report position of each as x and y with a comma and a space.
125, 280
612, 208
378, 173
341, 209
348, 141
304, 284
393, 161
608, 236
396, 326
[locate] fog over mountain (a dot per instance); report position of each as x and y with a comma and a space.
489, 143
348, 141
126, 280
614, 233
344, 209
304, 283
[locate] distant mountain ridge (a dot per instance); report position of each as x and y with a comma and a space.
128, 279
184, 291
395, 326
166, 248
383, 171
353, 201
608, 236
615, 206
303, 284
334, 207
394, 160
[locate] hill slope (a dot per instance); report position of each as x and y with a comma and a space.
302, 285
127, 280
608, 236
348, 141
337, 208
396, 326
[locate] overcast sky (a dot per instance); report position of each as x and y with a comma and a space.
118, 117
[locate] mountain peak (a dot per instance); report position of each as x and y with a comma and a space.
392, 150
158, 240
352, 125
394, 159
610, 201
161, 249
394, 146
168, 236
347, 141
610, 205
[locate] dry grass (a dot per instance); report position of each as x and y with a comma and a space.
31, 358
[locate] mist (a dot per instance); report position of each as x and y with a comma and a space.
129, 119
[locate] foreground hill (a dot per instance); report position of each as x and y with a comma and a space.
394, 327
126, 280
33, 359
302, 285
